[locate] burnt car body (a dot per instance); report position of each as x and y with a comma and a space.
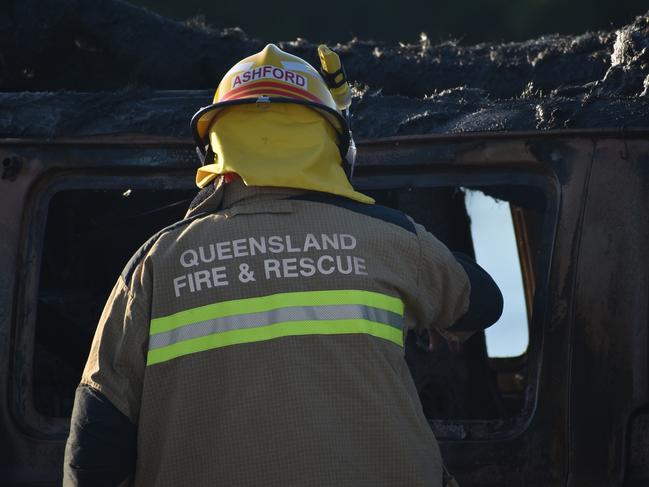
572, 410
558, 127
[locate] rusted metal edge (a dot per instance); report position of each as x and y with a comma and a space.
130, 139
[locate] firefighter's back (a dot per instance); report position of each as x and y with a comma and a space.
275, 348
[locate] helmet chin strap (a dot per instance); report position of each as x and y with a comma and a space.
349, 159
204, 155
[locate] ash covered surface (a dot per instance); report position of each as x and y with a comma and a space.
81, 67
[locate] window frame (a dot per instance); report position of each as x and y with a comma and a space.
475, 177
28, 417
437, 175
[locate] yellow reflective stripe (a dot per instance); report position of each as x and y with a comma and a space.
278, 315
277, 330
274, 301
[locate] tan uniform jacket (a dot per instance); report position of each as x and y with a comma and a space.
262, 344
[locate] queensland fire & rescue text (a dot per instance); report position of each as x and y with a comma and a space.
317, 263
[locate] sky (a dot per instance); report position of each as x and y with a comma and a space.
495, 250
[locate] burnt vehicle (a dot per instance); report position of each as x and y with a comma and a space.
87, 177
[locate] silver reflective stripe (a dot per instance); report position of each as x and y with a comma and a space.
280, 315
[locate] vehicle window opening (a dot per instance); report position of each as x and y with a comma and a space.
467, 383
89, 237
495, 247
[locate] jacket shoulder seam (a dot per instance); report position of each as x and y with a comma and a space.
142, 252
379, 212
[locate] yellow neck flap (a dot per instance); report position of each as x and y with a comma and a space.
282, 145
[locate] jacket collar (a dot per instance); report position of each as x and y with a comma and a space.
223, 196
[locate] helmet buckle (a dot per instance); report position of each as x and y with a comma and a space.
263, 102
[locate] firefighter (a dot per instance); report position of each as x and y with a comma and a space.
259, 341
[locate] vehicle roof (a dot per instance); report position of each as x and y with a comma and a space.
83, 74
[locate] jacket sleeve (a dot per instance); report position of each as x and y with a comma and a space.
485, 299
456, 297
102, 443
101, 448
441, 286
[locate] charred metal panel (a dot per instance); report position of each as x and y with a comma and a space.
637, 473
610, 346
54, 47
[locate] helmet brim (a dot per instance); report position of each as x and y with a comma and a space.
203, 118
